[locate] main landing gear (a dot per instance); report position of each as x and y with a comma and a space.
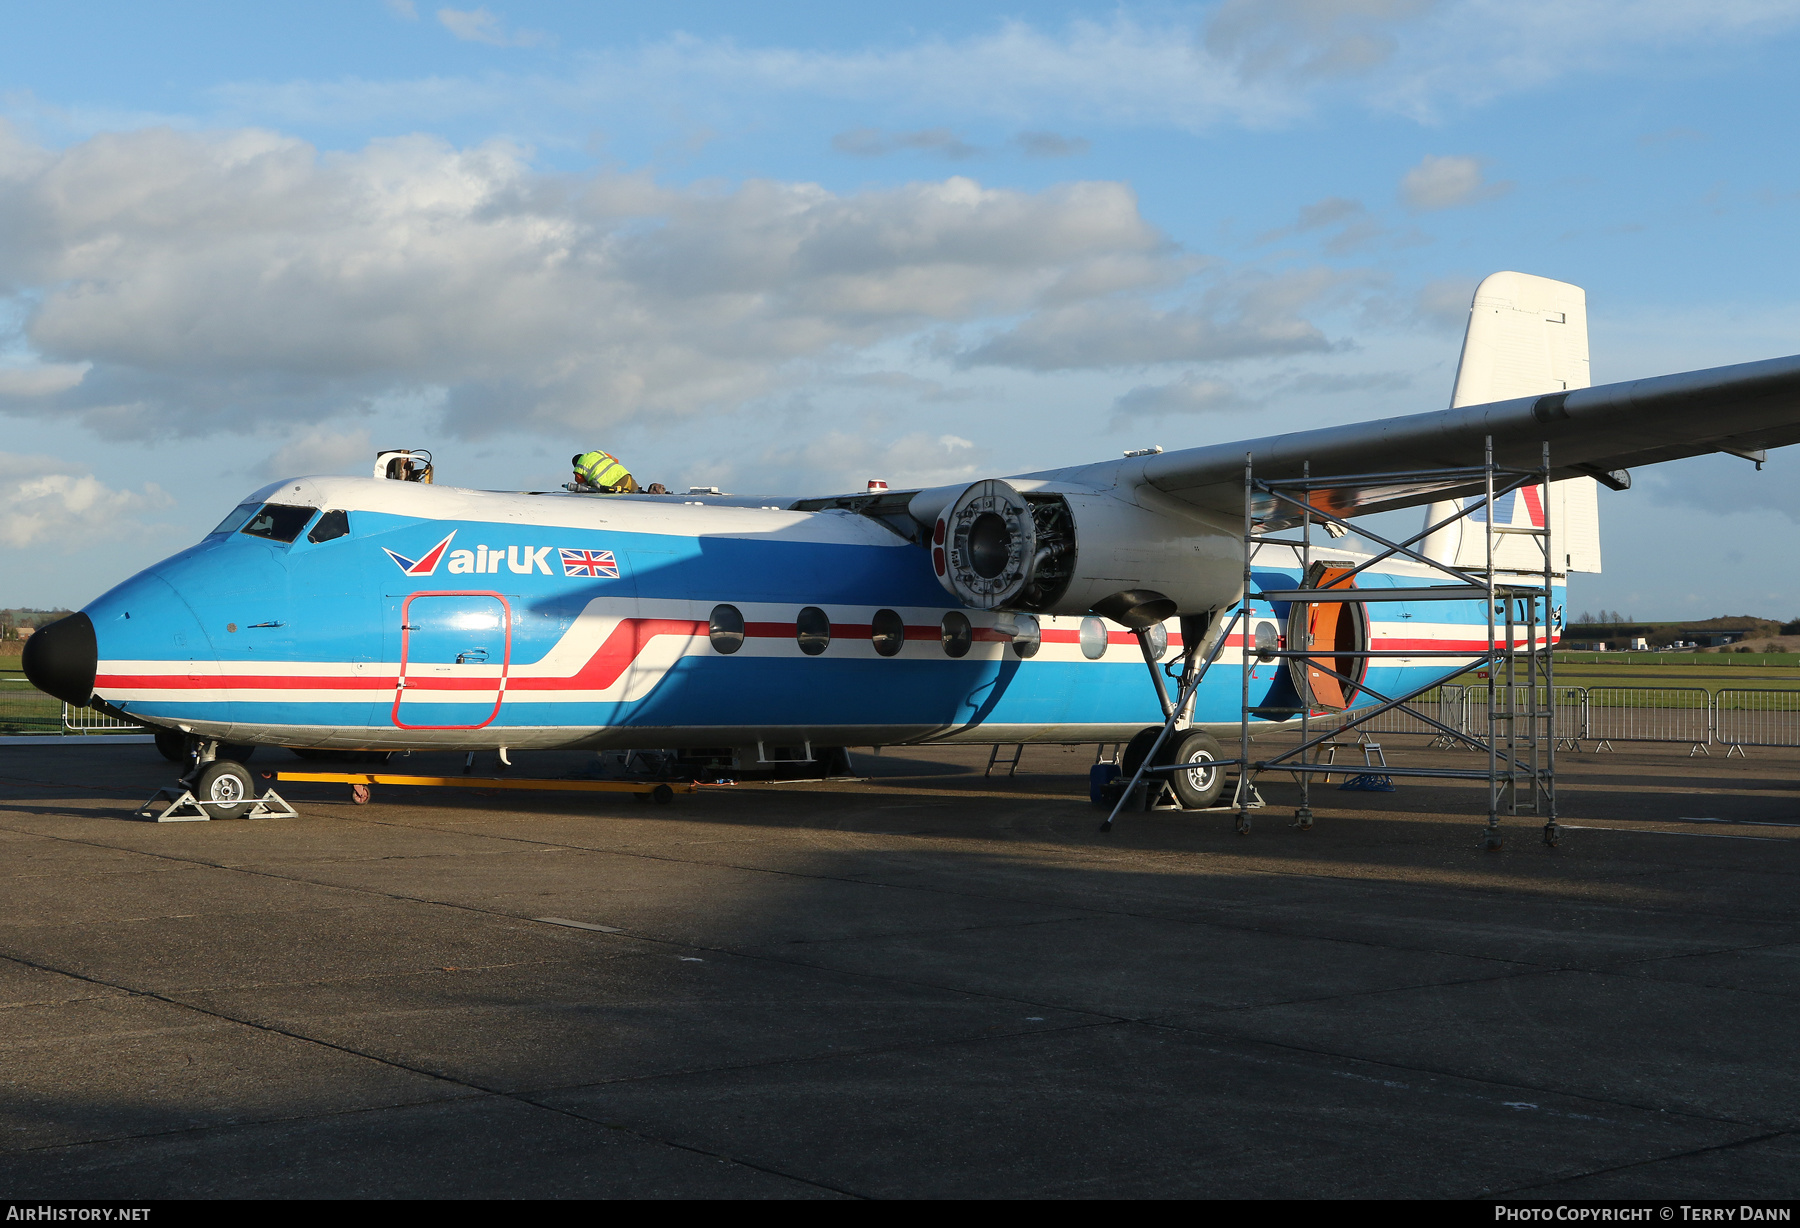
1172, 766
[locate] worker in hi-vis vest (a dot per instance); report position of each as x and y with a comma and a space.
602, 471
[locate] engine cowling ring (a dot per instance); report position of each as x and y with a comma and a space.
984, 545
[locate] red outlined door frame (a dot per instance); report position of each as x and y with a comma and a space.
406, 642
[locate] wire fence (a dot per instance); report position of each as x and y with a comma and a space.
26, 710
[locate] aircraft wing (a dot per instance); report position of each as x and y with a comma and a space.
1599, 432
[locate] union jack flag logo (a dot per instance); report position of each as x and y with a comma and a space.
594, 563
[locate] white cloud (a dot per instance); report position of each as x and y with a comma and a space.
1446, 182
1355, 227
1117, 71
873, 143
1050, 145
846, 461
481, 26
1191, 394
1467, 52
241, 280
1445, 301
1244, 317
44, 501
1308, 38
322, 451
40, 380
1255, 63
406, 10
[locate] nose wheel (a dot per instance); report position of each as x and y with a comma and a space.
228, 788
217, 788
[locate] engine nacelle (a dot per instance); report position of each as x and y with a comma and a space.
984, 545
995, 547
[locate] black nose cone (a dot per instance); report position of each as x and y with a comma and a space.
60, 659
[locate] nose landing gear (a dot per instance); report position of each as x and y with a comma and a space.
215, 787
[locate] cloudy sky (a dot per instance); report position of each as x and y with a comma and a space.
786, 248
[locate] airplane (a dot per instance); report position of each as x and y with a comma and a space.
389, 613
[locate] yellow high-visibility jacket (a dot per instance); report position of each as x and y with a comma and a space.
603, 471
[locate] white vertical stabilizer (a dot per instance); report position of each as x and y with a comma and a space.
1527, 335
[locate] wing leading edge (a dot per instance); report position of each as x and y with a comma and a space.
1599, 432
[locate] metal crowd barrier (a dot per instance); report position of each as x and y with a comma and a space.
1744, 717
1570, 701
1604, 715
1445, 703
1649, 714
87, 720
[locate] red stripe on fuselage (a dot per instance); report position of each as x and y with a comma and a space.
614, 657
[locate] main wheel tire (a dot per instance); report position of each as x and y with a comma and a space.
1138, 749
227, 782
1197, 788
172, 744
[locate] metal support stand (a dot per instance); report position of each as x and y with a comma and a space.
184, 807
1011, 765
1520, 738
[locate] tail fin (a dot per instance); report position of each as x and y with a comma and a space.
1526, 335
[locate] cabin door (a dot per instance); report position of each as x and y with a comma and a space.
455, 649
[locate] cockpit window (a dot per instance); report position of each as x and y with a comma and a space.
279, 522
234, 519
335, 523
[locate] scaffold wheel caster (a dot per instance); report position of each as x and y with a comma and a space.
1243, 825
1303, 818
1551, 834
1492, 842
359, 794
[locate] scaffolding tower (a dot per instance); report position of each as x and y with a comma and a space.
1520, 734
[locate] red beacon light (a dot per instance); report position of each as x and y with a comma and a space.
876, 486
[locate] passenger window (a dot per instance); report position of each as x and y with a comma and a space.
234, 519
958, 634
279, 522
1026, 636
813, 630
888, 630
332, 525
1094, 638
726, 629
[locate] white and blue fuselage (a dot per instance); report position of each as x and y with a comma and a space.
434, 617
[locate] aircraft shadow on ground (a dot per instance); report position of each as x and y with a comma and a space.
940, 1018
